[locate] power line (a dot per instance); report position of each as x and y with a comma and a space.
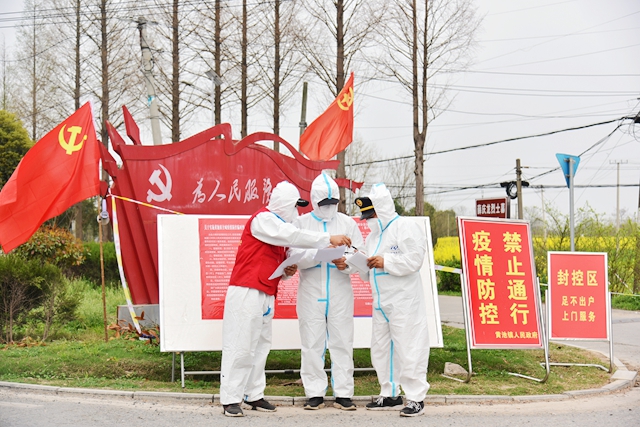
486, 144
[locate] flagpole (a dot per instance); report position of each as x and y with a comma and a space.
104, 297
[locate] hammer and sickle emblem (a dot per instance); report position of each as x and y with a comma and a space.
165, 189
70, 147
347, 99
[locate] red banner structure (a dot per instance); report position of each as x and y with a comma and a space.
208, 173
500, 292
578, 296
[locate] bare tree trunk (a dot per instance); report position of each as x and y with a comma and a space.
175, 76
217, 65
340, 173
276, 75
243, 97
105, 90
34, 83
76, 98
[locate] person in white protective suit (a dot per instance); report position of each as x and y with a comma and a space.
400, 341
249, 303
325, 302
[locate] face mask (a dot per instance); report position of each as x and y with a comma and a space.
326, 212
373, 224
290, 215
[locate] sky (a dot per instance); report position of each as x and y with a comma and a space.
538, 67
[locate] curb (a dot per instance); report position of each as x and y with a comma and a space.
621, 380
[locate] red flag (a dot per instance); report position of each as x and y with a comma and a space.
332, 131
61, 169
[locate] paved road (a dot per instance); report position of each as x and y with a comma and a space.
20, 409
625, 325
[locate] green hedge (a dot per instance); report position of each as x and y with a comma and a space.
90, 268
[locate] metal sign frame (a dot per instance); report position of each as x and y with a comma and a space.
466, 306
608, 326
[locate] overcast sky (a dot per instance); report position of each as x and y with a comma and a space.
540, 66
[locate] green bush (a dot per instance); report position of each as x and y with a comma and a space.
626, 302
25, 285
55, 246
449, 282
90, 267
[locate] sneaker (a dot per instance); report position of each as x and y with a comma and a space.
232, 410
385, 404
314, 403
345, 404
261, 405
413, 409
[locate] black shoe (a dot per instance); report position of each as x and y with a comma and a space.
385, 404
232, 410
345, 404
413, 409
261, 405
314, 403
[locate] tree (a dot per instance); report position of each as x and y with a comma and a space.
425, 39
172, 58
14, 144
35, 96
214, 54
281, 73
349, 24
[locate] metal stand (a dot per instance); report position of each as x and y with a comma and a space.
467, 329
609, 330
545, 344
272, 371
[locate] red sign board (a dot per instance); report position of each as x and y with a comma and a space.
219, 240
208, 173
578, 295
501, 293
493, 208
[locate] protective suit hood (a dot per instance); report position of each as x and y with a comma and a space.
382, 203
283, 201
324, 187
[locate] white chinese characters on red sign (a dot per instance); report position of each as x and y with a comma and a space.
493, 208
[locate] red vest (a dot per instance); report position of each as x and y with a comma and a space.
256, 261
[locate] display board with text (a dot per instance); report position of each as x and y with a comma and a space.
501, 294
196, 257
578, 296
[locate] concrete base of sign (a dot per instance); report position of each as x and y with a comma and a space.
151, 314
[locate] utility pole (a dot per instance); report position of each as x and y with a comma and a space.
617, 162
544, 219
519, 188
147, 64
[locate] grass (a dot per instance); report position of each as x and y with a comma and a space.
131, 364
626, 302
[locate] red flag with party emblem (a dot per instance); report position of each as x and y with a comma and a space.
61, 169
332, 131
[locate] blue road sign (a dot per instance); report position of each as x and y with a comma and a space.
564, 164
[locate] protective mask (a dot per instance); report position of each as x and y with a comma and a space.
374, 224
290, 215
326, 212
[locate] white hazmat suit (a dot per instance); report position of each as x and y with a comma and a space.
248, 312
325, 299
400, 340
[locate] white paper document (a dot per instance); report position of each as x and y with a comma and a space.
329, 254
293, 259
359, 261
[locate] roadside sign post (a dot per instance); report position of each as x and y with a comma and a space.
501, 296
569, 165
